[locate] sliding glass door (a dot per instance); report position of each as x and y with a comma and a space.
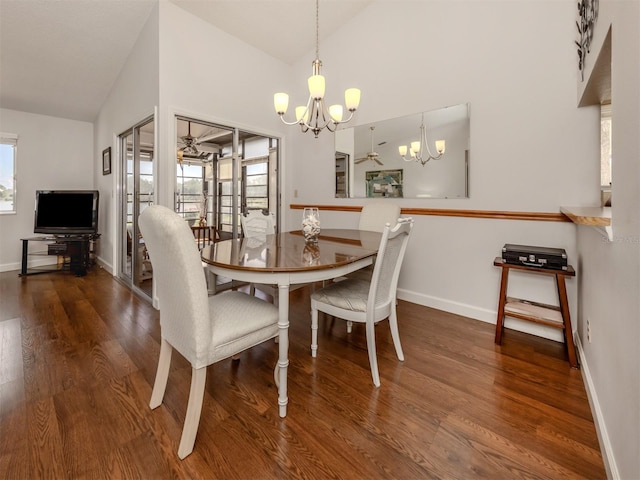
223, 171
136, 193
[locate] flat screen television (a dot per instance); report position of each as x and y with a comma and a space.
66, 212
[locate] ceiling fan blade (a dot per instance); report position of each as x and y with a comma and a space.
210, 135
360, 160
378, 161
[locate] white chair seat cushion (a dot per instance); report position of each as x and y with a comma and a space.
350, 294
259, 323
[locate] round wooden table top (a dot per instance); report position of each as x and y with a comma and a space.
288, 251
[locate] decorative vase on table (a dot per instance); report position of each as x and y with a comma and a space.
311, 254
311, 224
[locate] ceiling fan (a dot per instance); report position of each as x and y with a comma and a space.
190, 146
372, 155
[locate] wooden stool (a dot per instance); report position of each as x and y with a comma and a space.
550, 315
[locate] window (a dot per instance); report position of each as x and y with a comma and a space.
605, 146
256, 180
225, 196
8, 146
192, 188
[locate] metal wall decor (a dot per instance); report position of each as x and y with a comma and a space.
588, 13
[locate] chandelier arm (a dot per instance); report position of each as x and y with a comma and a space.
426, 143
317, 118
295, 122
348, 119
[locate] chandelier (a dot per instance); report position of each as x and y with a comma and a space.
419, 151
315, 116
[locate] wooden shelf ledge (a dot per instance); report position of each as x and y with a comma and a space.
594, 216
599, 217
549, 315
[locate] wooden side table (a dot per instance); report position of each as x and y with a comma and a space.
550, 315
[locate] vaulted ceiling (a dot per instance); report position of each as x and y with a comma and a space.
61, 58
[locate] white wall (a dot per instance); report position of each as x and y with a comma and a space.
133, 98
207, 74
531, 148
53, 153
610, 279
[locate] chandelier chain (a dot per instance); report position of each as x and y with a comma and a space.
317, 29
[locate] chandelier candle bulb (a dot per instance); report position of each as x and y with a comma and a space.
402, 149
316, 86
336, 112
440, 145
352, 98
281, 102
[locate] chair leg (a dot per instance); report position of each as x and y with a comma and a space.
395, 334
349, 326
162, 374
213, 278
371, 347
314, 330
252, 290
194, 408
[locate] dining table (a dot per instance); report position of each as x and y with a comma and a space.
286, 259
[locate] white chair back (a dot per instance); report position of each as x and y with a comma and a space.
374, 216
255, 223
384, 280
180, 282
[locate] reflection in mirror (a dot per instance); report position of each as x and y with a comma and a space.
342, 175
374, 167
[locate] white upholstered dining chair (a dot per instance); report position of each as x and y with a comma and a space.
203, 329
373, 217
371, 301
256, 223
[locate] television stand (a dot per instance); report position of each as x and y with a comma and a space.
75, 247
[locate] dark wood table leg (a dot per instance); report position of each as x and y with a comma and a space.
501, 302
566, 318
25, 252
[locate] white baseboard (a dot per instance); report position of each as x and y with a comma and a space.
601, 429
43, 262
479, 313
107, 266
47, 262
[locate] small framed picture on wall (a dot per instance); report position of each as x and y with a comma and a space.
106, 161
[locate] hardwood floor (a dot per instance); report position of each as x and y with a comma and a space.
78, 357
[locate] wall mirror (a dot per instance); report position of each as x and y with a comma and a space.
369, 163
